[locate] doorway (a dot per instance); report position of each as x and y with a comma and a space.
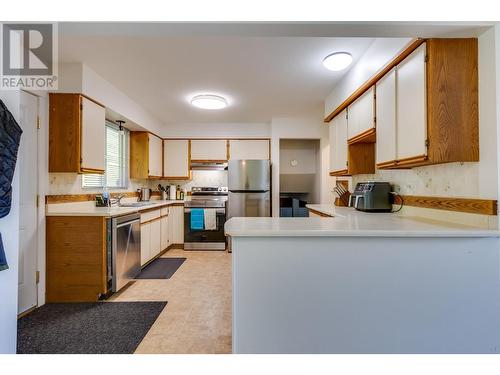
28, 202
300, 175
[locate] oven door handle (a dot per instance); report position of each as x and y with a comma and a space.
217, 210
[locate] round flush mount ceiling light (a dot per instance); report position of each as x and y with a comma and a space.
209, 101
337, 61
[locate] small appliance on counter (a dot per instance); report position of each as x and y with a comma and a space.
144, 194
371, 197
172, 192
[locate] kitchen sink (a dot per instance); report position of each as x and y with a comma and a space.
136, 204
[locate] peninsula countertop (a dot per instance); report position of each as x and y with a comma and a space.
347, 222
89, 208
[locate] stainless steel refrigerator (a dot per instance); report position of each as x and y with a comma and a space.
249, 187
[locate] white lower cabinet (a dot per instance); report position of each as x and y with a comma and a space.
145, 243
165, 235
177, 224
155, 238
159, 230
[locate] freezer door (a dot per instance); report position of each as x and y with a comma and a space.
249, 205
252, 175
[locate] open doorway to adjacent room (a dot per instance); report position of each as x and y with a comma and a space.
300, 166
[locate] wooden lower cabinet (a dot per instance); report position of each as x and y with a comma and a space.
76, 258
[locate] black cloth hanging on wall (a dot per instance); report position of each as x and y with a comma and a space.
10, 136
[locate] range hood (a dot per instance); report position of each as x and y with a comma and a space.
208, 166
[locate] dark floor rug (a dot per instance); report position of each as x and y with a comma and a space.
161, 268
86, 328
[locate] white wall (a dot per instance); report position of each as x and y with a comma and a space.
299, 128
380, 52
80, 78
9, 227
214, 130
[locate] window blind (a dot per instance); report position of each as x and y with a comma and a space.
116, 161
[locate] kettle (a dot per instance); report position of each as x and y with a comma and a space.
144, 194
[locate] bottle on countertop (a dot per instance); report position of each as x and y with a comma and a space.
178, 193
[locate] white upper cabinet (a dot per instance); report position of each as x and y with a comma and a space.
361, 114
155, 153
93, 131
386, 118
241, 149
176, 159
411, 106
338, 148
209, 149
333, 146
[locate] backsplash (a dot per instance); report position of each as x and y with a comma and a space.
71, 183
446, 180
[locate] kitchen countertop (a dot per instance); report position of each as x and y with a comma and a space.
89, 208
347, 222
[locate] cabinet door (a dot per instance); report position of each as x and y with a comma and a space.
93, 130
386, 118
241, 149
177, 222
164, 232
145, 243
171, 220
208, 149
176, 158
155, 156
333, 146
361, 115
411, 121
155, 237
340, 149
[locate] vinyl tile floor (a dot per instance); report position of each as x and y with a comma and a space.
197, 318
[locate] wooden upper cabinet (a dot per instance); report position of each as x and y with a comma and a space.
76, 134
361, 116
436, 106
241, 149
176, 159
145, 155
214, 150
386, 120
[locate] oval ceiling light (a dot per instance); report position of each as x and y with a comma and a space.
209, 101
337, 61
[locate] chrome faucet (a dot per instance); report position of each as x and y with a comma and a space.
117, 199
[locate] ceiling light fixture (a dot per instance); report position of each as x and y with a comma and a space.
209, 101
337, 61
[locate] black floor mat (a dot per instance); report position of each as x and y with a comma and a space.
161, 268
86, 328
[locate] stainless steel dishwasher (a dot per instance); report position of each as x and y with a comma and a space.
125, 250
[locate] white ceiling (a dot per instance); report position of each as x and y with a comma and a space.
265, 70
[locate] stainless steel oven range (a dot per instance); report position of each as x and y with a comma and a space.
204, 218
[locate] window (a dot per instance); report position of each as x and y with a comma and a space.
115, 175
